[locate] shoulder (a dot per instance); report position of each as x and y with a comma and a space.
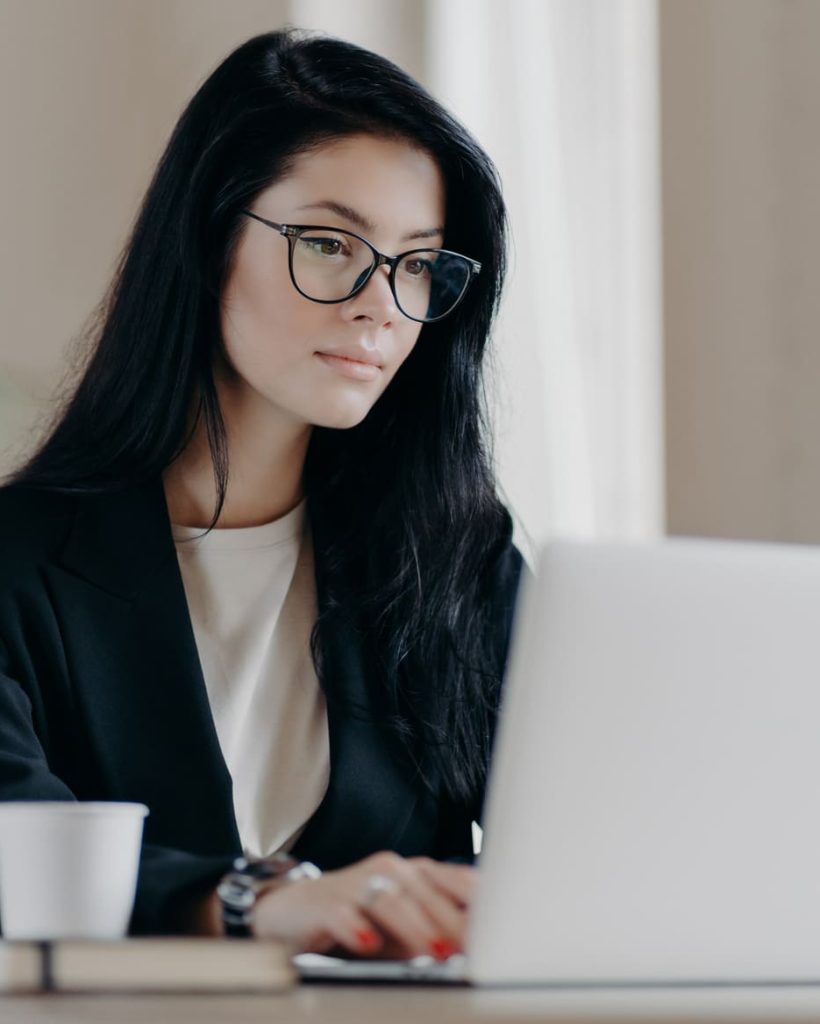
117, 539
33, 524
498, 589
506, 563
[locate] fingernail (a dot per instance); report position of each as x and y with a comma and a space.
367, 939
442, 948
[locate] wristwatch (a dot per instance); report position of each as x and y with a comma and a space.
248, 879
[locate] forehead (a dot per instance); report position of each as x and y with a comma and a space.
395, 185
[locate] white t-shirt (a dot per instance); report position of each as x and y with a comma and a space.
252, 599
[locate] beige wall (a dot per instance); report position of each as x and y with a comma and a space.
741, 182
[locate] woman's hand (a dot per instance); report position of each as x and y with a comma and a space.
384, 905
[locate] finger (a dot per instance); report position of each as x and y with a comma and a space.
446, 916
348, 927
458, 881
401, 918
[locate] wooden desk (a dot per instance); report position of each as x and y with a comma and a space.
348, 1004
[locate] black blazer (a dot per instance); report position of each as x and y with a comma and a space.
102, 698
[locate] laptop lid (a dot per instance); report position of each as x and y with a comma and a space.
654, 807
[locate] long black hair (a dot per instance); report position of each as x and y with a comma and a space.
416, 524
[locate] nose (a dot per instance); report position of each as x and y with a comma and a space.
375, 301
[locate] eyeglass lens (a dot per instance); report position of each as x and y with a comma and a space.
330, 265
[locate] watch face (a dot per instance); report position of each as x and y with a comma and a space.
260, 869
239, 888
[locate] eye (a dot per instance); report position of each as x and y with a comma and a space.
418, 268
326, 246
323, 246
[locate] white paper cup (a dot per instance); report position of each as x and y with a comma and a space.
68, 870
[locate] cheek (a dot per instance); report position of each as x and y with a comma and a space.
262, 312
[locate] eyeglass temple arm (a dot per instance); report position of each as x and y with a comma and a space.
283, 229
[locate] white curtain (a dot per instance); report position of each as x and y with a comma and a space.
564, 96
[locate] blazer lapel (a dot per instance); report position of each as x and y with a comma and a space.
133, 659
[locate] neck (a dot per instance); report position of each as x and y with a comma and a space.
266, 454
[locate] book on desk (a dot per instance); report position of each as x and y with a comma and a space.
146, 965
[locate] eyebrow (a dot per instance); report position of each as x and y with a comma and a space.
361, 222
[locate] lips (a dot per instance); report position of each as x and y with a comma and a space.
371, 357
354, 369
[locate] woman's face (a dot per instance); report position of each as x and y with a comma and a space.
279, 345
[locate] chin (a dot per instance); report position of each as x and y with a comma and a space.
341, 419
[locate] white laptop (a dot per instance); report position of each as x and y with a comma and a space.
653, 814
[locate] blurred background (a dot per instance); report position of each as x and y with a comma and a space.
656, 361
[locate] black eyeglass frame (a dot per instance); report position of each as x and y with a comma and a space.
292, 233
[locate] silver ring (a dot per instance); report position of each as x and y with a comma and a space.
376, 885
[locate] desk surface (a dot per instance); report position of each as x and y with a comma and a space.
413, 1004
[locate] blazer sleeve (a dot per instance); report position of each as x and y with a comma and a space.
165, 875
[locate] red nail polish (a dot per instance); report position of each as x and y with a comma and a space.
367, 939
442, 948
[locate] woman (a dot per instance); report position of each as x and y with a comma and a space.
257, 576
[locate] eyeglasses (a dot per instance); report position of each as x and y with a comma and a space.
330, 265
